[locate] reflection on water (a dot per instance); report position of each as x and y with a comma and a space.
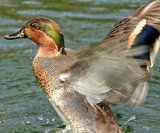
24, 107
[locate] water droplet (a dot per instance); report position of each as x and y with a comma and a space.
40, 118
130, 119
147, 128
27, 122
47, 121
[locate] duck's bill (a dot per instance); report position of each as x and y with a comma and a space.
17, 35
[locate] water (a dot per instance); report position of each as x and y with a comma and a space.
24, 108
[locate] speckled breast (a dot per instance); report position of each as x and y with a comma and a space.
70, 106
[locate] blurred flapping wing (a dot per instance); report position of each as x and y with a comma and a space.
116, 71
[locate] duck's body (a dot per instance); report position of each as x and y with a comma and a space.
71, 107
81, 84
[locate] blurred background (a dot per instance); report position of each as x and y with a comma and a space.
24, 108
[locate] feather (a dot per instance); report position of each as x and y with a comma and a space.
113, 73
150, 12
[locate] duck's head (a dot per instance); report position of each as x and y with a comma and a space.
45, 33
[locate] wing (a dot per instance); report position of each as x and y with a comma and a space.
150, 12
112, 72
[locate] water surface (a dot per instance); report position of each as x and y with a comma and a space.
24, 108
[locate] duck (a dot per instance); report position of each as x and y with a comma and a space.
81, 85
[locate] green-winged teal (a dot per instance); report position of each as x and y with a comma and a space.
81, 84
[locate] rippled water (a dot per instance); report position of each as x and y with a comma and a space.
24, 108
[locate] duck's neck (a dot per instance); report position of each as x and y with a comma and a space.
46, 47
47, 52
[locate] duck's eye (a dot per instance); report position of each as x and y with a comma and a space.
36, 26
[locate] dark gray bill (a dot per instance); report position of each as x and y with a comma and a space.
17, 35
